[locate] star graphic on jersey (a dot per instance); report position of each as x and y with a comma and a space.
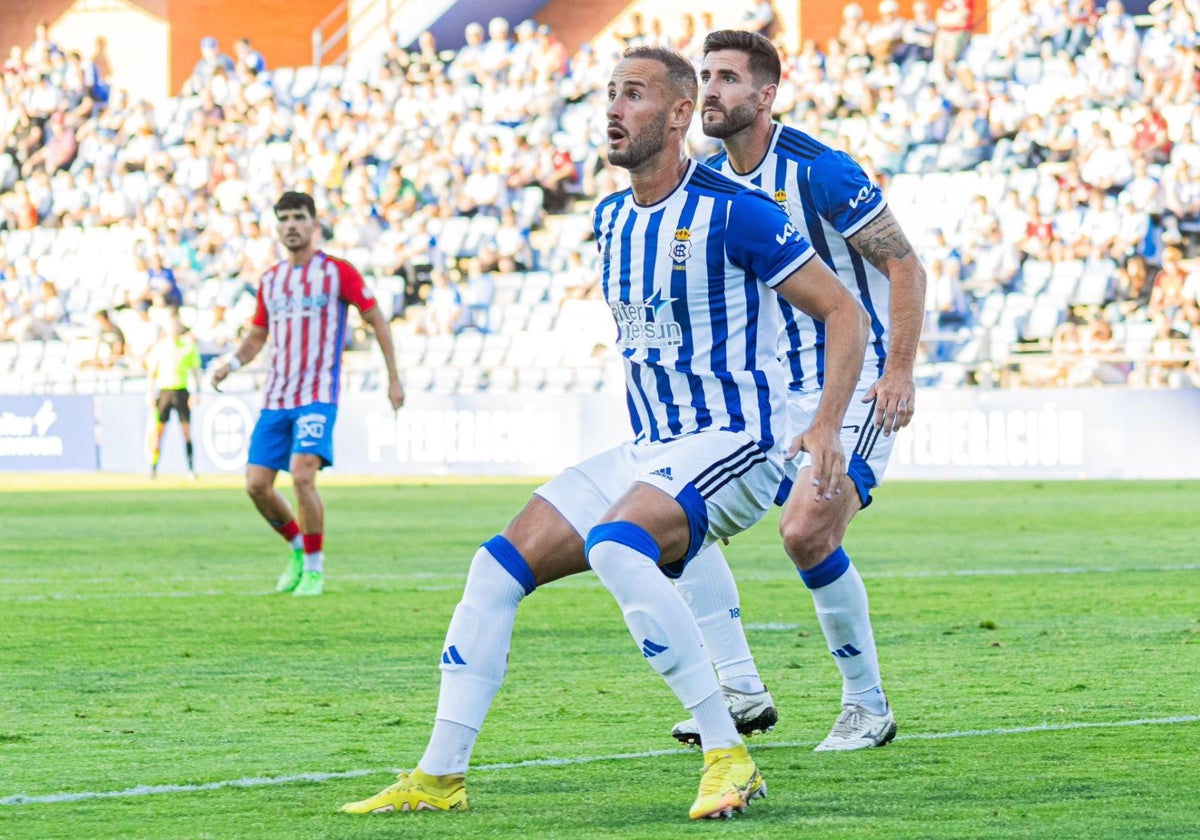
657, 303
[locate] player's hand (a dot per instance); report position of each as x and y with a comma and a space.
219, 374
396, 395
828, 460
896, 400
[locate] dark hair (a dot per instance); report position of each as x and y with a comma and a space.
681, 75
763, 57
296, 201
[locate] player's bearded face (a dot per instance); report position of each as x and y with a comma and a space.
641, 144
722, 122
295, 230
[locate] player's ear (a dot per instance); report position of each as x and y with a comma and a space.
766, 97
682, 115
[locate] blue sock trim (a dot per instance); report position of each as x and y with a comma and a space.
626, 534
827, 571
506, 555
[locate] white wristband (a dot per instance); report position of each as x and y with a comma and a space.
233, 362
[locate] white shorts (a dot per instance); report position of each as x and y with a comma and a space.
724, 481
867, 448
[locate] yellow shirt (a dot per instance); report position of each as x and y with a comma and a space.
172, 361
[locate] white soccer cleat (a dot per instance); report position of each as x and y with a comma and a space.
751, 712
858, 729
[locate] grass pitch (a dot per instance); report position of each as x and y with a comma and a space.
1038, 642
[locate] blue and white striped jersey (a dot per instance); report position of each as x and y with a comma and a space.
830, 198
687, 280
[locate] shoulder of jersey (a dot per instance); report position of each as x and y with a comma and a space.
610, 199
711, 181
795, 143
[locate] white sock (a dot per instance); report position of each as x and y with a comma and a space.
844, 616
475, 656
708, 588
624, 557
298, 542
314, 562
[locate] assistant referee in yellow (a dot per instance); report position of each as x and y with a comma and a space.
173, 357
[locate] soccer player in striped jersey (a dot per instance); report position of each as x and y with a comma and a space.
303, 302
688, 261
835, 205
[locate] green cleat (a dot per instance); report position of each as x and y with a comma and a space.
415, 791
290, 579
311, 583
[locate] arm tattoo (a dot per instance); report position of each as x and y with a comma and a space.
881, 241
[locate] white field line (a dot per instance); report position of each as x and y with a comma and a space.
264, 781
576, 582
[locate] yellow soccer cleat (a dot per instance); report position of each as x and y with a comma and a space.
415, 791
730, 781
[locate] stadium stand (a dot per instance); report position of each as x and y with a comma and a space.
1093, 122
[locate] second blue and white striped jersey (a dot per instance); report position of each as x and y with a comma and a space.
688, 282
830, 198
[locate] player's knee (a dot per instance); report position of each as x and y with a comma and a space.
807, 542
258, 487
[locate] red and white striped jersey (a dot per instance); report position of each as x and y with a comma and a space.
304, 308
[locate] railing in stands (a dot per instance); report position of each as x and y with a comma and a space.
330, 37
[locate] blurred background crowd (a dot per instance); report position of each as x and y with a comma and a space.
1049, 174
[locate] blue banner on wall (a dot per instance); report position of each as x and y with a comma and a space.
50, 432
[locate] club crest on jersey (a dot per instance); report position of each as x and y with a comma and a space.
781, 199
681, 247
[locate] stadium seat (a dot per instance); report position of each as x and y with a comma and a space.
1064, 280
471, 380
1139, 338
1094, 283
8, 356
304, 82
991, 309
530, 379
502, 379
444, 380
1035, 275
1044, 317
418, 379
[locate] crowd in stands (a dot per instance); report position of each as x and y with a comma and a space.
1049, 173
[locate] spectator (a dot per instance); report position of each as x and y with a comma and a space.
41, 316
991, 266
761, 18
211, 63
248, 62
478, 295
1038, 241
954, 20
916, 38
110, 343
1166, 291
443, 310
